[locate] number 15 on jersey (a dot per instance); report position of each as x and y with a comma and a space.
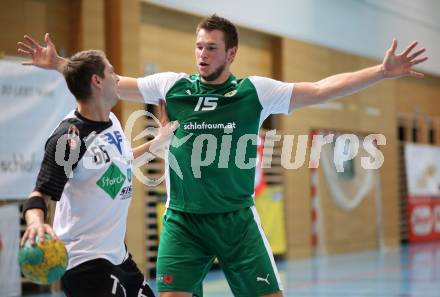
206, 103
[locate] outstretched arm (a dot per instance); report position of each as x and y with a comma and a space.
128, 89
47, 57
340, 85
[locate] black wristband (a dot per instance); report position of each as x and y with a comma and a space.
35, 202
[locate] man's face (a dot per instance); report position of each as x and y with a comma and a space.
213, 60
110, 84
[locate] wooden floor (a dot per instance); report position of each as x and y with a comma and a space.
407, 271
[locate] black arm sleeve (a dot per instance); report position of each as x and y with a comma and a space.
52, 177
60, 158
63, 151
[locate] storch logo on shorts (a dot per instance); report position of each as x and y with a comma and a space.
112, 180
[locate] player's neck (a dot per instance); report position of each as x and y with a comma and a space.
218, 81
93, 111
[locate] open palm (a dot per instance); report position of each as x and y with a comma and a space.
397, 65
44, 57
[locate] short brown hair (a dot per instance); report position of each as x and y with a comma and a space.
79, 70
214, 22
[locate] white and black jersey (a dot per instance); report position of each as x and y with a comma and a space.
87, 168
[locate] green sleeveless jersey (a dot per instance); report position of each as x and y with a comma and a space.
210, 167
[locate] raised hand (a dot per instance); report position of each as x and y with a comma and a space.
397, 65
166, 130
44, 57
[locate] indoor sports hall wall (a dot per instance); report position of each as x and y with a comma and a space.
418, 97
375, 110
142, 38
35, 18
371, 111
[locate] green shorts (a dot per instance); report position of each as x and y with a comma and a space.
189, 243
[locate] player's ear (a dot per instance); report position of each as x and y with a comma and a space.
232, 52
96, 80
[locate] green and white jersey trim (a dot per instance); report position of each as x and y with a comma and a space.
155, 87
274, 95
219, 125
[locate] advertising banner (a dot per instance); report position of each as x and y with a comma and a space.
32, 101
423, 181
